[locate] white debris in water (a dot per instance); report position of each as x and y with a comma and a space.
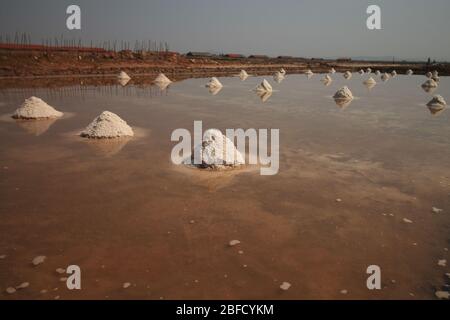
243, 75
343, 93
430, 83
23, 285
370, 81
35, 108
214, 83
409, 72
442, 295
161, 78
123, 76
10, 290
285, 286
107, 125
332, 71
344, 291
436, 78
63, 279
442, 263
39, 260
126, 285
347, 75
407, 220
216, 152
233, 243
264, 86
436, 210
338, 200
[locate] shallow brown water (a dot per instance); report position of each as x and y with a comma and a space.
123, 212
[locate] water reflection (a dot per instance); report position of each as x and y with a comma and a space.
107, 147
36, 127
264, 95
214, 90
343, 103
436, 110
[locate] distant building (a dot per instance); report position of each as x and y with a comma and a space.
199, 54
258, 56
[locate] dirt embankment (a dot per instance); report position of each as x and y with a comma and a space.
15, 63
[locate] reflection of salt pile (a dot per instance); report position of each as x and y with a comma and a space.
243, 75
36, 127
35, 108
264, 96
347, 75
278, 77
430, 83
108, 147
123, 82
216, 152
264, 87
409, 72
214, 83
214, 90
437, 102
343, 93
370, 81
123, 76
435, 73
394, 73
435, 78
343, 103
385, 76
162, 79
377, 73
107, 125
332, 71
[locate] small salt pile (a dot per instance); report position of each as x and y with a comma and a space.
264, 95
214, 83
123, 76
309, 73
278, 77
107, 125
361, 72
343, 93
377, 73
435, 73
161, 78
385, 76
347, 75
430, 83
428, 74
332, 71
369, 70
370, 81
283, 72
409, 72
327, 79
243, 75
393, 73
285, 286
216, 152
35, 108
264, 87
437, 102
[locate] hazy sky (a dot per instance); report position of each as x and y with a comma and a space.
412, 29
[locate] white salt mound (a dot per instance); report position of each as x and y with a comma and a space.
278, 76
123, 76
161, 78
435, 78
309, 72
430, 83
437, 101
377, 73
35, 108
327, 78
385, 77
435, 73
214, 83
370, 81
428, 74
243, 75
332, 71
393, 73
347, 75
264, 87
217, 152
107, 125
369, 70
343, 94
409, 72
282, 71
361, 71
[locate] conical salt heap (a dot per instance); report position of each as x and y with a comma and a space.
214, 83
264, 87
428, 74
106, 126
385, 76
278, 77
309, 73
161, 78
394, 73
370, 81
216, 152
361, 72
243, 75
435, 73
123, 76
343, 93
437, 102
332, 71
347, 75
430, 83
327, 78
283, 72
369, 70
377, 73
35, 108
